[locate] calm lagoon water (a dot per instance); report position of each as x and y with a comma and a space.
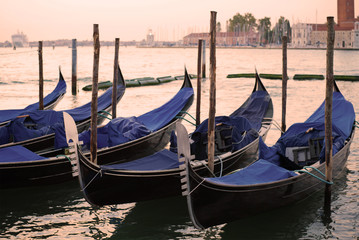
61, 212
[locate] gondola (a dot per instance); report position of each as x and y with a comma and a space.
158, 175
20, 167
43, 169
50, 102
37, 140
285, 173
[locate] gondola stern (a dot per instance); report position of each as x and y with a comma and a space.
258, 86
120, 80
187, 80
184, 157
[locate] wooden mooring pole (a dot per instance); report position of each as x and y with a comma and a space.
74, 67
212, 95
199, 80
204, 59
284, 82
41, 79
96, 60
115, 78
329, 108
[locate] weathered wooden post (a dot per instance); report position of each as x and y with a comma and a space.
328, 108
41, 79
284, 82
204, 59
96, 59
115, 78
199, 80
212, 91
74, 67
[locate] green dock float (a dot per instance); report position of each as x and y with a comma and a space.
101, 85
346, 78
271, 76
242, 75
132, 83
308, 77
165, 79
146, 81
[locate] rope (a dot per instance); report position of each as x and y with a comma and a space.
311, 174
206, 166
104, 116
356, 124
220, 159
196, 187
106, 112
179, 117
276, 124
67, 158
93, 179
188, 114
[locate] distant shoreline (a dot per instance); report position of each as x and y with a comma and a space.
218, 47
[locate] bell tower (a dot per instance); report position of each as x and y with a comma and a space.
345, 10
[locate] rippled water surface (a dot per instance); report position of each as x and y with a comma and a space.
60, 211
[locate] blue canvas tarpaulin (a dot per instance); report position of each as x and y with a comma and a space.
268, 167
6, 115
121, 130
18, 154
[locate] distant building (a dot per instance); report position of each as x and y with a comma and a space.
346, 30
19, 40
301, 34
224, 38
150, 38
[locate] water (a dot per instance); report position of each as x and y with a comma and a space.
60, 211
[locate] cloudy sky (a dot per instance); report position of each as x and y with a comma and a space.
131, 19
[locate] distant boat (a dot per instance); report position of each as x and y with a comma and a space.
19, 40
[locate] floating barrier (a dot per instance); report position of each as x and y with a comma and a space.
253, 75
308, 77
271, 76
136, 82
146, 81
346, 77
242, 75
101, 85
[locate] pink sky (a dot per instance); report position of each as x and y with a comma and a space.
130, 20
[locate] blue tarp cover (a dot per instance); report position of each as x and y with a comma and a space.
6, 115
267, 168
255, 109
17, 154
49, 121
160, 117
104, 101
261, 171
239, 124
37, 123
121, 130
162, 160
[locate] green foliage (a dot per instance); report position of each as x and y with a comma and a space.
242, 23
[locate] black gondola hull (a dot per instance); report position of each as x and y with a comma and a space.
212, 204
35, 173
132, 186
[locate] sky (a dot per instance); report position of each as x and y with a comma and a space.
129, 20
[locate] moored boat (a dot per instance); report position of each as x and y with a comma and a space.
289, 171
158, 175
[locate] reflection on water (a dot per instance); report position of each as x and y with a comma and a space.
60, 211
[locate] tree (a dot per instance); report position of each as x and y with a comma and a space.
242, 23
282, 28
264, 28
218, 27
